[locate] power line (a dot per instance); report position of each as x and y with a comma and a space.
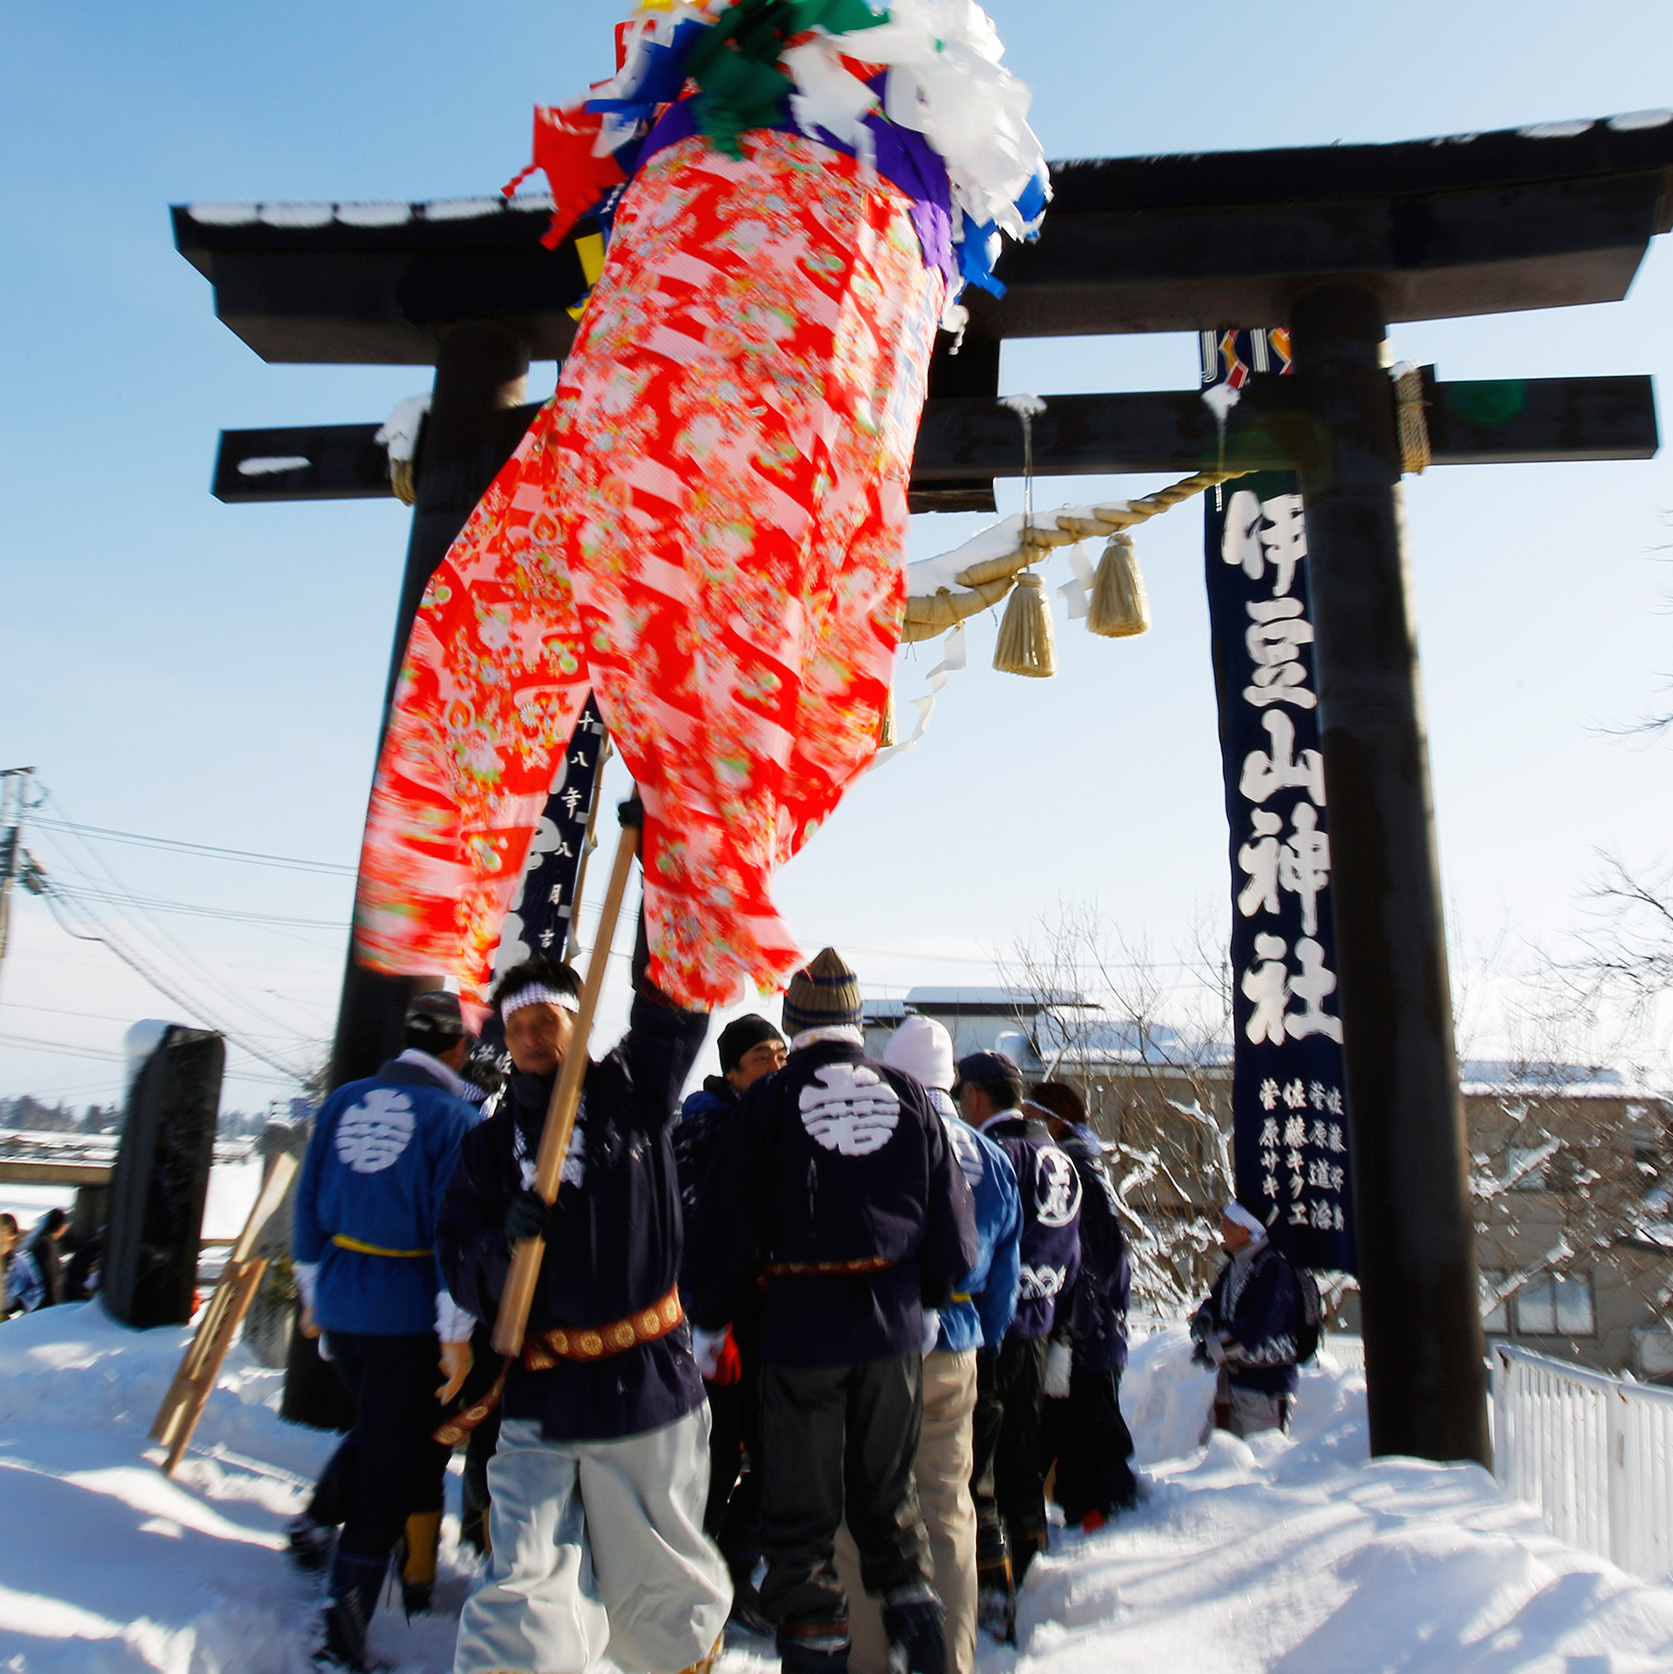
159, 933
247, 857
55, 899
154, 904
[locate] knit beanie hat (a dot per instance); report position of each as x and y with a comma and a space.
740, 1035
922, 1047
826, 995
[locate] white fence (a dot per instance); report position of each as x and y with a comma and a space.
1594, 1453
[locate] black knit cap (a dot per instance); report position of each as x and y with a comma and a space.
826, 995
740, 1035
437, 1014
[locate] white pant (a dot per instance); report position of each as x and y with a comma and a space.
597, 1546
943, 1477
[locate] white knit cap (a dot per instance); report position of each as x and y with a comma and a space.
922, 1047
1239, 1216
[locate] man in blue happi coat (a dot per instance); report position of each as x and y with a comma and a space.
1085, 1433
1248, 1329
750, 1048
1009, 1477
366, 1209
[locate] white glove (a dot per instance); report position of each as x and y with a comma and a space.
1218, 1349
453, 1323
932, 1329
1060, 1358
707, 1347
307, 1272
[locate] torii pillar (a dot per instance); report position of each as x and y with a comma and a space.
1412, 1214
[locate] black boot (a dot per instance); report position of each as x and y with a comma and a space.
746, 1615
310, 1544
355, 1584
915, 1622
816, 1647
996, 1596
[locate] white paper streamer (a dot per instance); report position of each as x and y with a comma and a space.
952, 662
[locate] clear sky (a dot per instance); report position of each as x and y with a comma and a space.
193, 671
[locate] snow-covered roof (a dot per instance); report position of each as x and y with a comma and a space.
361, 214
1497, 1077
1007, 1000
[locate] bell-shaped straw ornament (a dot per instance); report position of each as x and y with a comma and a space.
1025, 640
1119, 607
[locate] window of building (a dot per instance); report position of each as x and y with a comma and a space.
1557, 1305
1495, 1315
1527, 1174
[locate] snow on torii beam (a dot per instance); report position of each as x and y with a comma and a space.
1334, 242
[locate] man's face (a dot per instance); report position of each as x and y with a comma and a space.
973, 1103
1232, 1236
537, 1037
761, 1059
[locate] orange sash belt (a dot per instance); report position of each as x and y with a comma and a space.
593, 1342
798, 1269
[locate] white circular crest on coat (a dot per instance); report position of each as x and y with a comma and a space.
1056, 1188
851, 1109
373, 1133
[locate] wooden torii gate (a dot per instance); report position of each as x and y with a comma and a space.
1334, 242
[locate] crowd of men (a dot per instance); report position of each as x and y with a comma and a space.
805, 1359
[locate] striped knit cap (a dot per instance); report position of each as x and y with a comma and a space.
825, 995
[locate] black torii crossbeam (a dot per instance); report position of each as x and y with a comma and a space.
1334, 242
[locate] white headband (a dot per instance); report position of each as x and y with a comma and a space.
1239, 1216
537, 996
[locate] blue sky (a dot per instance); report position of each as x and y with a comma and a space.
189, 670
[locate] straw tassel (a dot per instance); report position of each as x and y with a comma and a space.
1119, 607
888, 732
1025, 638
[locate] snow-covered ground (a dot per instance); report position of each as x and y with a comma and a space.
1295, 1555
233, 1187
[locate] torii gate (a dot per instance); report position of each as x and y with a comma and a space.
1334, 242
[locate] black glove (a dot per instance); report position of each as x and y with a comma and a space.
1199, 1355
631, 812
528, 1215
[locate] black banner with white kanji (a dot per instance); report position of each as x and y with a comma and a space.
1291, 1128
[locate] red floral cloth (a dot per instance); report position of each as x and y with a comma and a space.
706, 525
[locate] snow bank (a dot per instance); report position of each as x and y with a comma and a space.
1291, 1555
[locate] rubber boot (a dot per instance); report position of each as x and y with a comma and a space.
1026, 1538
746, 1615
310, 1544
414, 1561
813, 1647
915, 1622
355, 1583
996, 1595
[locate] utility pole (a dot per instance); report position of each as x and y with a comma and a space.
14, 804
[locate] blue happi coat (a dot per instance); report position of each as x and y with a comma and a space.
1098, 1309
1050, 1190
377, 1165
985, 1300
1256, 1305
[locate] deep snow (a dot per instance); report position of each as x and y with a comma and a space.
1295, 1555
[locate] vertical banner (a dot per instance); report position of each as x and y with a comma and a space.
541, 920
1291, 1128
